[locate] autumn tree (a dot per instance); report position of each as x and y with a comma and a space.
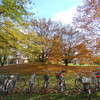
10, 37
70, 41
84, 55
96, 59
87, 19
12, 12
30, 46
15, 9
13, 15
43, 29
66, 39
55, 49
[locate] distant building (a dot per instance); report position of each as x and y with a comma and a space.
15, 57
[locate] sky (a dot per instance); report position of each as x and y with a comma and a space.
57, 10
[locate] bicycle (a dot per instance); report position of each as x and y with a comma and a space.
17, 81
96, 80
34, 82
86, 84
46, 80
83, 83
2, 83
78, 80
6, 85
61, 81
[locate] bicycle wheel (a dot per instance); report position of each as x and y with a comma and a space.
61, 88
36, 82
88, 92
10, 86
78, 84
45, 86
45, 89
64, 84
20, 83
98, 84
93, 81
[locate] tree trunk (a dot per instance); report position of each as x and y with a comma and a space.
2, 64
66, 61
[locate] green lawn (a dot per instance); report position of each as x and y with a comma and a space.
71, 64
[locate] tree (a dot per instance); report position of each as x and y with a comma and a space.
70, 38
30, 46
43, 31
55, 53
15, 9
10, 37
13, 15
84, 54
87, 19
96, 59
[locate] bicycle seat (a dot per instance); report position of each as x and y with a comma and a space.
97, 76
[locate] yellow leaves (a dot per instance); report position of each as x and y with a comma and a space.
19, 21
96, 59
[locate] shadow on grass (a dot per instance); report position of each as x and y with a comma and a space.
50, 95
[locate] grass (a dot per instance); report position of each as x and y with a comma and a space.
71, 64
52, 94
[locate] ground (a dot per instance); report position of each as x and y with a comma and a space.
37, 68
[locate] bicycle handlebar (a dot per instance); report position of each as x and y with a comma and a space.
61, 72
81, 71
45, 71
99, 68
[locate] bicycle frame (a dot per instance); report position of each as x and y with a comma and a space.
61, 82
2, 83
33, 79
96, 80
46, 80
79, 75
33, 82
86, 85
78, 80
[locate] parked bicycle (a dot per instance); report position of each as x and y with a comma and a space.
83, 83
2, 83
61, 81
78, 80
96, 79
46, 80
34, 82
17, 81
6, 85
86, 84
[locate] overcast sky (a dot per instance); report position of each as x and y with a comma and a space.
57, 10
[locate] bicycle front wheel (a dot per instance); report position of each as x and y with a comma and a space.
9, 87
45, 87
20, 83
78, 84
93, 82
61, 89
88, 93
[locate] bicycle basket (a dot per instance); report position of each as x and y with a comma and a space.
86, 80
12, 77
